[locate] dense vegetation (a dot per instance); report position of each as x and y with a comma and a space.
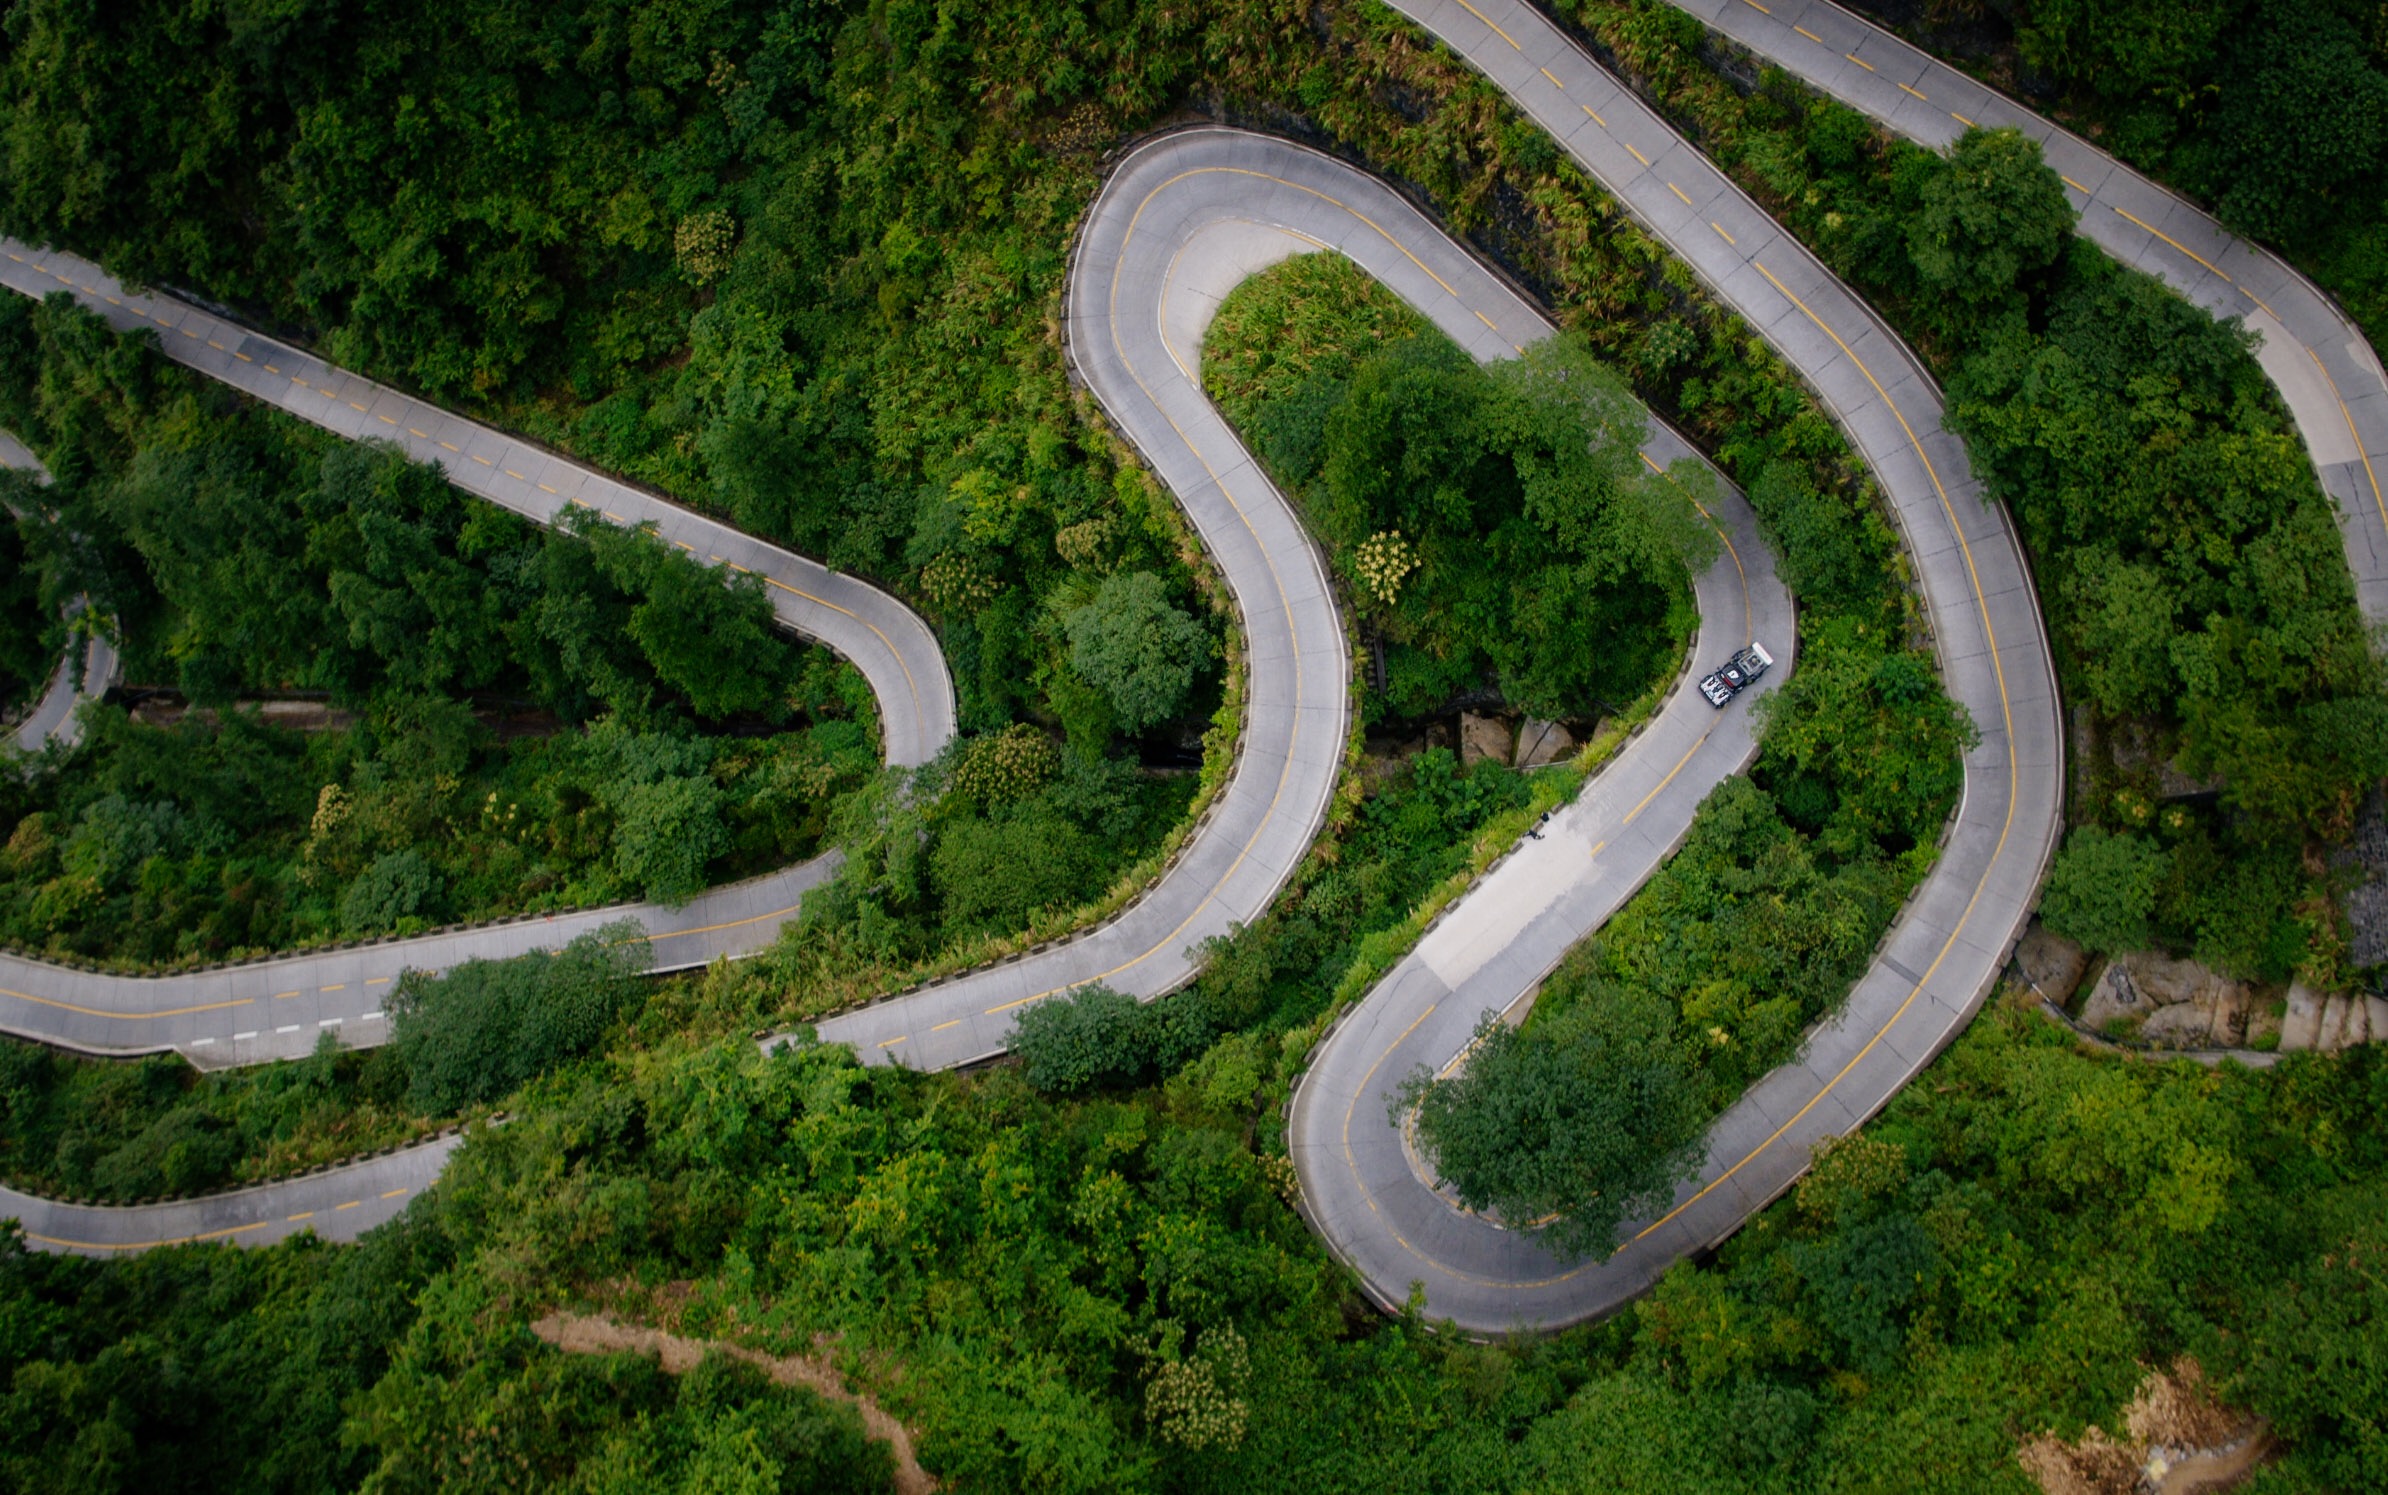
1492, 525
240, 552
850, 223
1706, 979
2274, 112
2188, 561
1113, 1294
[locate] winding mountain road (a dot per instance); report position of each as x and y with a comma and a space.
279, 1008
2326, 372
1175, 228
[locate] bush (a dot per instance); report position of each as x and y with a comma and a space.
399, 885
1591, 1117
1096, 1036
2102, 889
482, 1029
1136, 647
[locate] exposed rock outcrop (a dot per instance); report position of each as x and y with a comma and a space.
1540, 742
1482, 737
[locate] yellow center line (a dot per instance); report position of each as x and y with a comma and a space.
1554, 77
1720, 233
451, 446
1489, 21
1637, 155
950, 1023
1916, 91
65, 1244
2177, 244
352, 1204
1810, 35
1860, 61
892, 1042
2076, 186
1754, 5
124, 1017
342, 986
2372, 477
391, 1193
1669, 779
305, 1214
1596, 119
385, 420
1599, 847
377, 980
425, 435
1679, 197
284, 995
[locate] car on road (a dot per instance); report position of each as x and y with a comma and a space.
1734, 675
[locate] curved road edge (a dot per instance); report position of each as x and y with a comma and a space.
2327, 373
1944, 951
279, 1008
339, 1204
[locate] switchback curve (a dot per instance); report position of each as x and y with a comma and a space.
2327, 373
278, 1008
1944, 951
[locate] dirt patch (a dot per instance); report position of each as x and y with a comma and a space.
2178, 1440
590, 1334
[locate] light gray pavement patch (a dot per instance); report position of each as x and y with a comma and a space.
278, 1009
1357, 1184
2327, 374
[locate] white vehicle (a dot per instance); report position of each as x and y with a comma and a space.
1723, 684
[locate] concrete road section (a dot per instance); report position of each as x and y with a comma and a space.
2327, 373
277, 1009
339, 1204
1944, 952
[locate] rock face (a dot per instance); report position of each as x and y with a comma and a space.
1482, 737
2050, 962
2176, 1003
1540, 742
2302, 1023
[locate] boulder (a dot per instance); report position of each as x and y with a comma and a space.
1540, 742
2051, 963
2164, 982
2333, 1033
2376, 1012
2114, 996
2175, 1002
1482, 737
2183, 1025
2302, 1023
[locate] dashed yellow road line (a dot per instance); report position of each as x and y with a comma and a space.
2177, 244
1720, 233
1919, 93
1810, 35
1596, 119
1679, 197
1637, 155
1860, 61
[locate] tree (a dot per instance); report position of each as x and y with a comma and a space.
2102, 889
486, 1026
1994, 215
1085, 1037
1137, 648
1590, 1118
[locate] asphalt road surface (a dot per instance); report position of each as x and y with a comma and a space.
278, 1009
1136, 310
1360, 1185
2324, 369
